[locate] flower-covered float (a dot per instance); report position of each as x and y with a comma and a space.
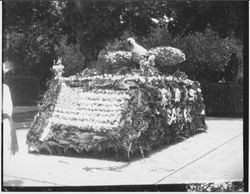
116, 115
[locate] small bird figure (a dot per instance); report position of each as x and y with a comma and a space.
138, 52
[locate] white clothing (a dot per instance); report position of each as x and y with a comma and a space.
7, 109
7, 101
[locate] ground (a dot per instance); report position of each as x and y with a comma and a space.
215, 156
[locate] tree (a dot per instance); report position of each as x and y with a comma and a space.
31, 30
207, 54
93, 23
225, 17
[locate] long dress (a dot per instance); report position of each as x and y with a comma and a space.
9, 134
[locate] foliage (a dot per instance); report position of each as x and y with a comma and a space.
223, 99
72, 58
225, 17
123, 115
94, 23
216, 187
45, 110
31, 30
159, 36
206, 53
34, 29
208, 49
119, 43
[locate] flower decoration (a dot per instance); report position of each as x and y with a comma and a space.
58, 68
118, 56
172, 117
192, 94
168, 56
128, 114
177, 95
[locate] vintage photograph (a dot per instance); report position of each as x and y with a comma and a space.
129, 95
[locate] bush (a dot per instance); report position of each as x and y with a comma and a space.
24, 90
223, 99
207, 52
159, 36
72, 58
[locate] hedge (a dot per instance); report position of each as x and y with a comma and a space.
24, 90
223, 99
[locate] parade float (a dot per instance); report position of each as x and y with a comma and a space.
114, 115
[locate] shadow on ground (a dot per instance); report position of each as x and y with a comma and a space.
13, 183
111, 155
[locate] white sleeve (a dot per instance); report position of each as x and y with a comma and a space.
7, 101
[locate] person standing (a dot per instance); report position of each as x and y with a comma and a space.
10, 143
232, 68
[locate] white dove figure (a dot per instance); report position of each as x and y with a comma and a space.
138, 52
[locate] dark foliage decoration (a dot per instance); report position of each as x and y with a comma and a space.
45, 109
155, 111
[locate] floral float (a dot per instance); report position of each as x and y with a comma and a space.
114, 115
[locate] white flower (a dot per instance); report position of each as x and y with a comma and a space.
172, 117
155, 20
45, 132
142, 79
166, 96
164, 99
177, 95
118, 56
192, 94
58, 68
186, 114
